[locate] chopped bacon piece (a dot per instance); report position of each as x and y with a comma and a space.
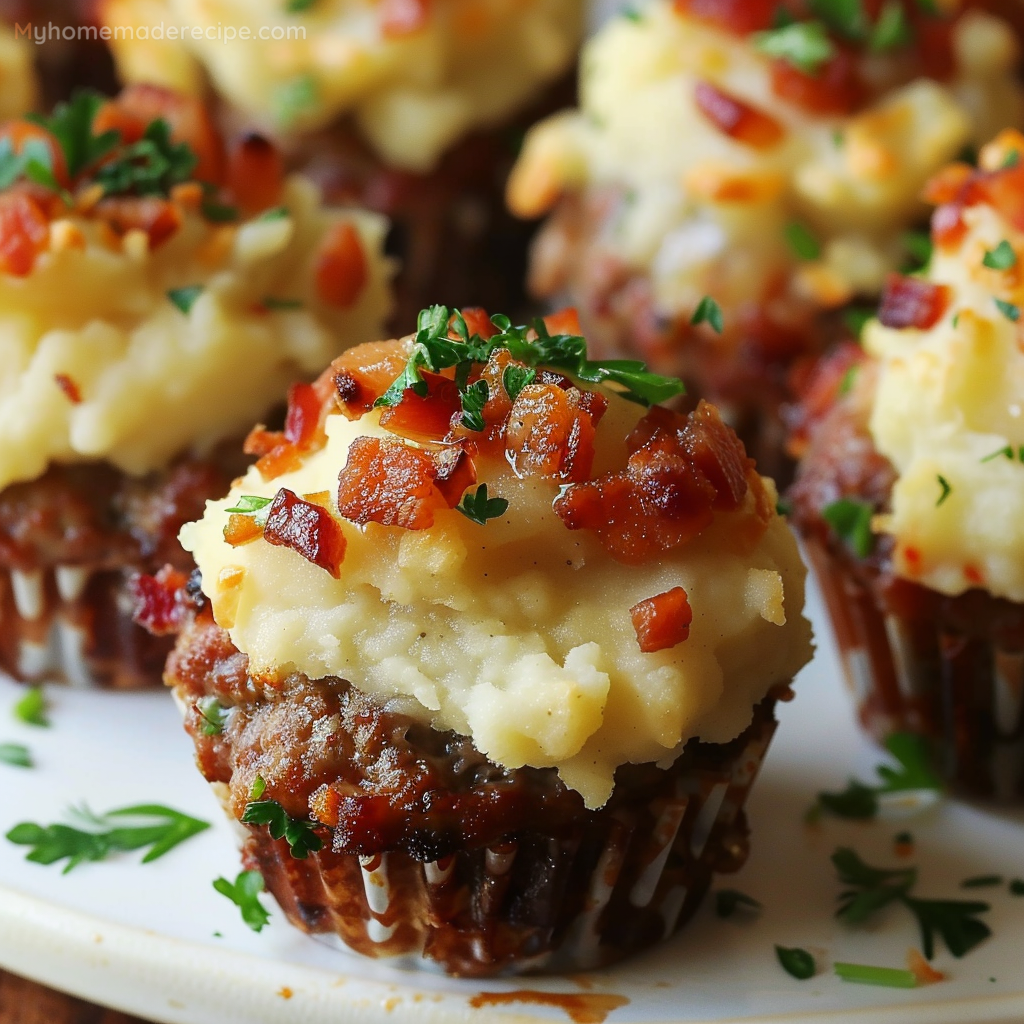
306, 528
948, 226
739, 16
24, 233
550, 433
362, 374
679, 473
737, 119
386, 481
836, 88
1005, 191
427, 417
565, 321
241, 529
71, 390
947, 185
281, 451
159, 218
456, 472
662, 621
255, 173
18, 132
341, 271
478, 322
159, 601
911, 302
305, 415
403, 17
136, 107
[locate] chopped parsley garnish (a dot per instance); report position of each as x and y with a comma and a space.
845, 17
515, 378
433, 350
276, 213
802, 241
248, 503
298, 833
185, 298
710, 312
244, 892
1011, 160
947, 489
892, 30
886, 977
855, 318
804, 44
151, 166
1008, 309
92, 837
16, 755
213, 714
871, 889
295, 6
632, 14
903, 839
219, 213
918, 245
981, 882
1006, 451
479, 508
796, 962
259, 787
35, 162
293, 98
846, 384
783, 507
281, 305
851, 520
1002, 257
474, 397
860, 801
71, 125
31, 708
728, 901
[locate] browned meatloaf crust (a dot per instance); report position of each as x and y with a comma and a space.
69, 543
916, 660
431, 848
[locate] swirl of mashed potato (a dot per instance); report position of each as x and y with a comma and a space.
510, 627
135, 328
948, 411
415, 76
728, 170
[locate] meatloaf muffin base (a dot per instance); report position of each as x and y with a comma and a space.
446, 860
948, 668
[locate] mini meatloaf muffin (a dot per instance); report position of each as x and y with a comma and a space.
156, 294
496, 647
769, 160
911, 488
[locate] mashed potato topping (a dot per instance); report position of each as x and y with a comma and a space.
416, 76
731, 183
949, 409
517, 632
134, 327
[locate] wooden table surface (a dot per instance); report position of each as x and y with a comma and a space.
24, 1002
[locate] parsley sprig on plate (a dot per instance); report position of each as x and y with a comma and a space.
93, 837
244, 892
433, 350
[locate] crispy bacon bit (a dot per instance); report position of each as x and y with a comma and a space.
159, 218
681, 471
739, 16
136, 107
948, 227
255, 174
947, 185
565, 321
662, 621
403, 17
362, 374
325, 806
241, 529
305, 414
24, 233
911, 302
550, 433
1005, 191
427, 417
385, 481
69, 387
281, 451
737, 119
835, 89
159, 601
974, 575
19, 132
341, 270
306, 528
479, 322
456, 472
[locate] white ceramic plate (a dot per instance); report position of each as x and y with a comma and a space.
142, 938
